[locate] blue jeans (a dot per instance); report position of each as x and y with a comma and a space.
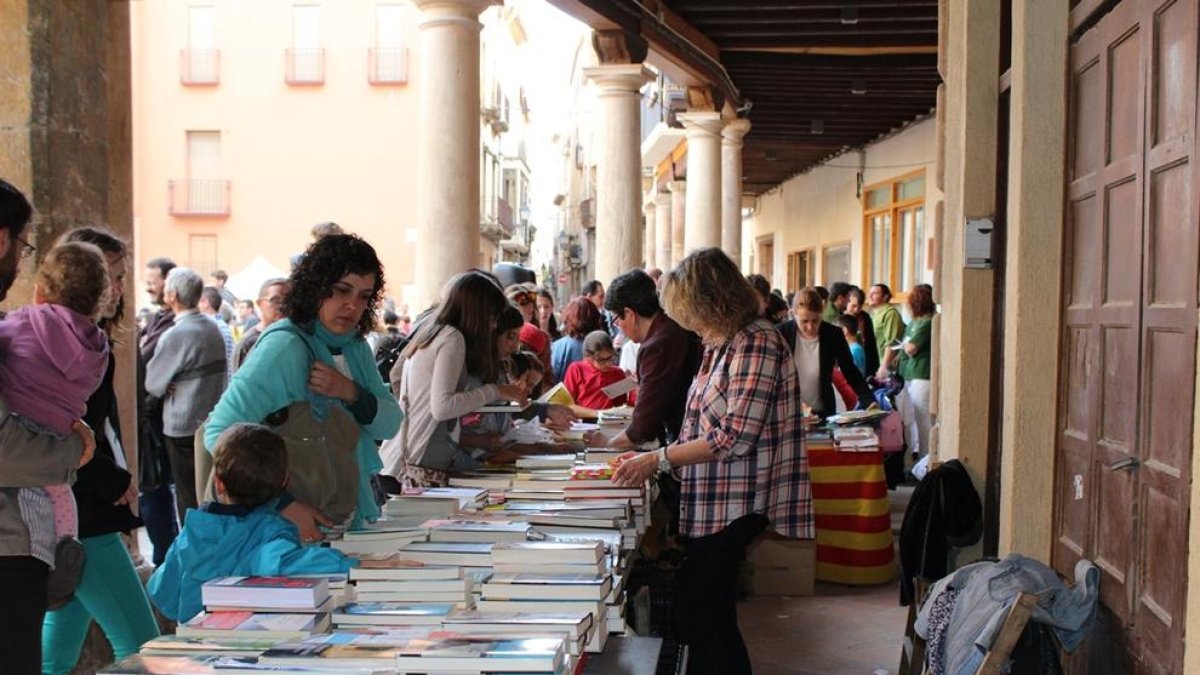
158, 512
109, 591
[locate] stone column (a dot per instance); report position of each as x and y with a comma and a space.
678, 190
963, 329
447, 143
66, 141
1035, 235
649, 234
703, 226
662, 233
731, 187
618, 168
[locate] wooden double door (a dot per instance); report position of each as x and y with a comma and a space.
1129, 305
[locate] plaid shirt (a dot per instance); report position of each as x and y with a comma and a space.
745, 402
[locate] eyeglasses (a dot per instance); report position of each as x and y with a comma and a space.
274, 300
27, 249
604, 360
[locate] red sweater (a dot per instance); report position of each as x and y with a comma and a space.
584, 381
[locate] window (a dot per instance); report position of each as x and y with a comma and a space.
306, 58
202, 253
835, 263
766, 258
894, 233
200, 59
389, 57
800, 270
205, 187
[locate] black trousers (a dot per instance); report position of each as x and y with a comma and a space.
706, 599
183, 469
23, 587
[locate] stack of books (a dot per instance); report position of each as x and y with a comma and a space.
386, 535
856, 439
551, 577
420, 651
261, 608
616, 418
436, 503
393, 591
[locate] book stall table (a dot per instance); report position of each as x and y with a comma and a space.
852, 513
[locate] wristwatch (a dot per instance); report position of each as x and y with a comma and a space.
664, 464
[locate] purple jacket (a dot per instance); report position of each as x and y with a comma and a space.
51, 360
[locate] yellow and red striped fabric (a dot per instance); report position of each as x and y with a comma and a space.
853, 517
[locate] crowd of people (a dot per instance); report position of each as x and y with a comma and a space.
373, 402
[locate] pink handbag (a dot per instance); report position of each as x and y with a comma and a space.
891, 433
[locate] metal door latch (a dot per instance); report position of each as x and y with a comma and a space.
1124, 463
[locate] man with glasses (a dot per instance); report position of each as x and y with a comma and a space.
270, 302
27, 460
666, 363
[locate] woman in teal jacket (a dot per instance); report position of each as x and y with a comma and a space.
319, 354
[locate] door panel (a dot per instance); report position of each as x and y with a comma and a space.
1129, 339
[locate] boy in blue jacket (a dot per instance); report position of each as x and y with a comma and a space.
242, 533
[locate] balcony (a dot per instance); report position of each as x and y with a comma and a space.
586, 218
305, 67
496, 218
387, 65
199, 67
198, 197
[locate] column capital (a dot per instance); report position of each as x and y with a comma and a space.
677, 186
444, 12
621, 78
662, 199
701, 123
734, 131
648, 207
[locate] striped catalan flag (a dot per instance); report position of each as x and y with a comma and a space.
853, 516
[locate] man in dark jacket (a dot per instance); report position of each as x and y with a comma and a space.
667, 361
155, 503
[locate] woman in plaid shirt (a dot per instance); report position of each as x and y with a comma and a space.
740, 453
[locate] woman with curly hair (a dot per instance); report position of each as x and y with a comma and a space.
319, 354
449, 352
579, 318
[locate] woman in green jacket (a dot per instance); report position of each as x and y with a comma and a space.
319, 354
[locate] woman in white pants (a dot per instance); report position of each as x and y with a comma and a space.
914, 359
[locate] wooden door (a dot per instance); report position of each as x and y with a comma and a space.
1129, 338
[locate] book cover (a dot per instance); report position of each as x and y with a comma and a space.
250, 592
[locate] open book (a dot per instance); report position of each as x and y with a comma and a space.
504, 407
557, 394
620, 388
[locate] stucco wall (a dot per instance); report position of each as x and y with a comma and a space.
822, 207
296, 155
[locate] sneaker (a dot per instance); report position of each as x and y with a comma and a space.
69, 557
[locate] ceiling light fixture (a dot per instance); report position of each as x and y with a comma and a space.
849, 16
858, 87
818, 127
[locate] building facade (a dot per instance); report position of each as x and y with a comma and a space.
255, 121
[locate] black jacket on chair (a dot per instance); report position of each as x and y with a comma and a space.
944, 512
833, 351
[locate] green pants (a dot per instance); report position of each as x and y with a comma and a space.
111, 593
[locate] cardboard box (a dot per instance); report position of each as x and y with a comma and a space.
779, 566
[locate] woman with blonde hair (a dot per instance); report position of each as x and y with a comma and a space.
740, 452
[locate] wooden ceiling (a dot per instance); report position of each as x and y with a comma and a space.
814, 77
820, 76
